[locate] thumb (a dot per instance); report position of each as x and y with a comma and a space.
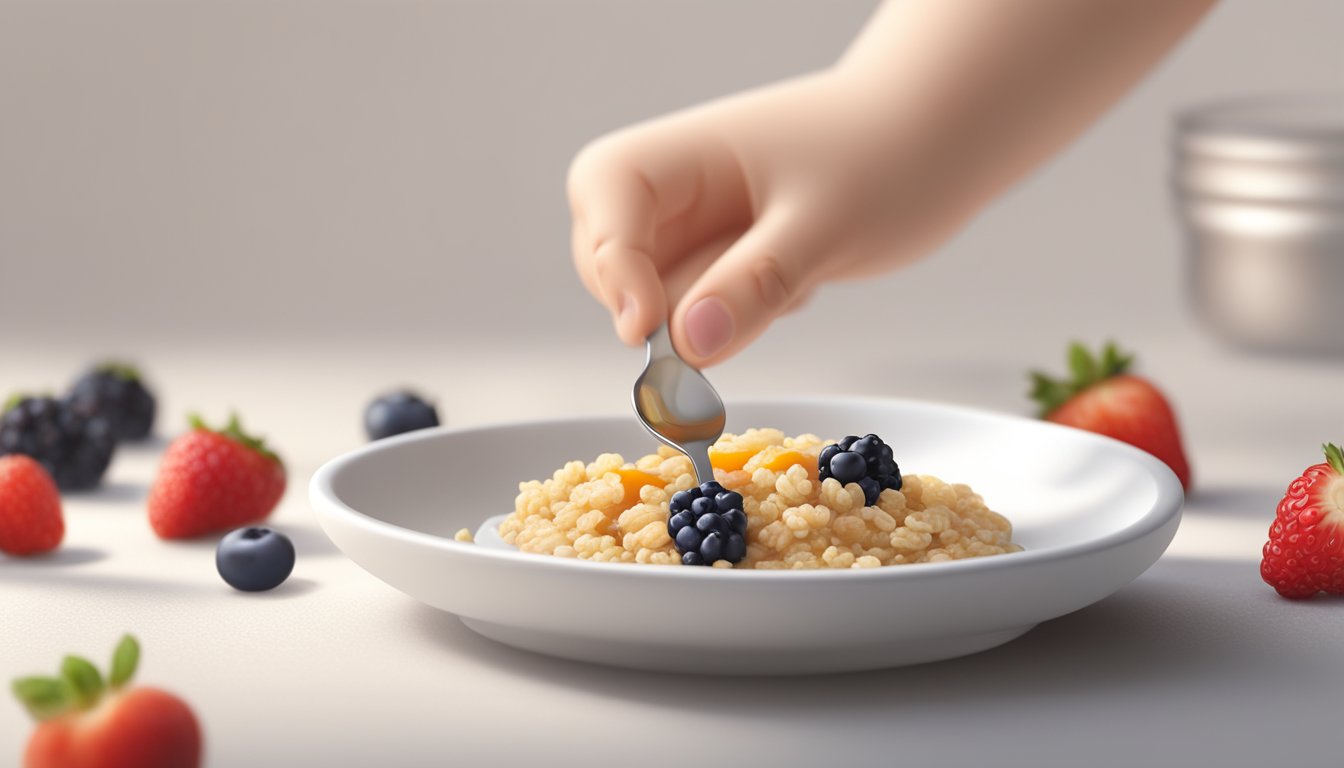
765, 274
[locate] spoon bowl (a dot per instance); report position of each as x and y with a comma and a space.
677, 405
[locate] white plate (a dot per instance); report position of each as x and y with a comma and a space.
1091, 512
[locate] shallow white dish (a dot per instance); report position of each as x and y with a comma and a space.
1092, 514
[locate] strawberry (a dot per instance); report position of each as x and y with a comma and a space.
1103, 398
214, 480
30, 507
84, 722
1305, 551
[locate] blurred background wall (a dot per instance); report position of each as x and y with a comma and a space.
215, 170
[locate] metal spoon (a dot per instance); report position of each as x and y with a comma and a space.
677, 405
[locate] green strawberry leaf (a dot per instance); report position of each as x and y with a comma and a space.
234, 431
1081, 365
84, 679
1334, 457
124, 661
44, 697
1085, 370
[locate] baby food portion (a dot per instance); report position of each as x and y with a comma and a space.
796, 516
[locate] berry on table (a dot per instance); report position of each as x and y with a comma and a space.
115, 392
1305, 551
254, 559
398, 412
1103, 397
708, 524
865, 460
87, 720
74, 449
214, 480
30, 508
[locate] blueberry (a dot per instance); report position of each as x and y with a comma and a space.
692, 558
254, 559
737, 521
702, 506
848, 467
735, 548
824, 458
865, 446
712, 547
728, 500
681, 500
396, 413
688, 539
711, 523
711, 488
679, 521
870, 490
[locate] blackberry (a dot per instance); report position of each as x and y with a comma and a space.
864, 460
707, 524
115, 392
398, 412
74, 448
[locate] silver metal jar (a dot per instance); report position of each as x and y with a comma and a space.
1259, 188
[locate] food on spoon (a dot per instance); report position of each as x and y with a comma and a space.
73, 448
398, 412
30, 508
1305, 551
254, 559
116, 392
793, 518
214, 480
1102, 397
91, 723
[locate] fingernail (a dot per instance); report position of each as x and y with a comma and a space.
709, 327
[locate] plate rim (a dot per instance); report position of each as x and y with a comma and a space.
1166, 507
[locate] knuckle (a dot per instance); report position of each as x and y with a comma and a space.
773, 282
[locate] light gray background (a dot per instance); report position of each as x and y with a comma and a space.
284, 206
216, 170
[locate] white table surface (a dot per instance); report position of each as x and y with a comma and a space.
1195, 663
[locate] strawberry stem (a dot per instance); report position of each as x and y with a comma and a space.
234, 431
1085, 369
1334, 457
79, 685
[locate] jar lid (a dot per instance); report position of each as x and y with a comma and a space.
1268, 127
1286, 148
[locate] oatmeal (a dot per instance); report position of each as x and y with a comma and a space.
616, 511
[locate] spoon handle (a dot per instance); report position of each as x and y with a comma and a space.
660, 344
698, 452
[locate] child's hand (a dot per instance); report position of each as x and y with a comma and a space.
731, 213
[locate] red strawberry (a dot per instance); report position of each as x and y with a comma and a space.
1305, 551
84, 722
30, 507
1103, 398
214, 481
